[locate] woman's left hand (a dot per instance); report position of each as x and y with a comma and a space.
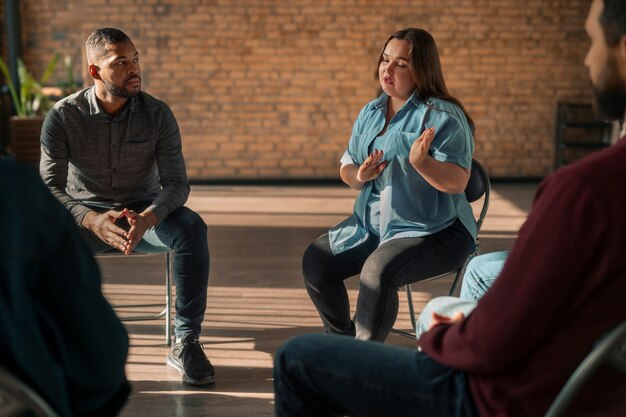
419, 149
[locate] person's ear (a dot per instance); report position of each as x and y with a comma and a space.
94, 71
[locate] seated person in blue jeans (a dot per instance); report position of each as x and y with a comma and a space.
562, 287
112, 155
480, 275
59, 335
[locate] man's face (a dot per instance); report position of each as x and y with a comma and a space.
608, 85
119, 70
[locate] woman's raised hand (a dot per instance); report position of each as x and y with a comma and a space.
371, 167
419, 149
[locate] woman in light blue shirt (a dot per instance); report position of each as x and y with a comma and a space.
410, 154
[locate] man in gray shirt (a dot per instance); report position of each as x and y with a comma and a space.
112, 155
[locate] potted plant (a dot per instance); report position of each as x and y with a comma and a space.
30, 105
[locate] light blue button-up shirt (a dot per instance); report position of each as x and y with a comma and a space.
409, 205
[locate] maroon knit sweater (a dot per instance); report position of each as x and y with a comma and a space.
563, 286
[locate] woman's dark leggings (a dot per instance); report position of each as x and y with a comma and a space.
383, 270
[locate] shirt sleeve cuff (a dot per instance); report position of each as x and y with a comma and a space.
79, 213
161, 212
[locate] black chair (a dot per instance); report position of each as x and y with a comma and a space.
18, 400
610, 350
477, 187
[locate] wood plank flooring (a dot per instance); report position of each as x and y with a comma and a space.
256, 299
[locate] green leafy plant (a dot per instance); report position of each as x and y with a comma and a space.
70, 85
31, 100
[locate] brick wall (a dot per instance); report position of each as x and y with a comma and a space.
269, 89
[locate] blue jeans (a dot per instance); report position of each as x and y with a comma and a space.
184, 232
383, 269
481, 273
330, 375
445, 306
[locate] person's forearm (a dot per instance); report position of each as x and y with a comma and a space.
348, 175
444, 176
77, 210
175, 185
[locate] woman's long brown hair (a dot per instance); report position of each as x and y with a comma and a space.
426, 67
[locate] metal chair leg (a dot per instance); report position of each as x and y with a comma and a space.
409, 295
167, 307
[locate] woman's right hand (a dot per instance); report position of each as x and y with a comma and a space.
371, 167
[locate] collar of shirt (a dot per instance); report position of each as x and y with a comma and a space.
381, 102
96, 109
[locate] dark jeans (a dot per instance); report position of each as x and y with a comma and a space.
329, 375
185, 233
383, 270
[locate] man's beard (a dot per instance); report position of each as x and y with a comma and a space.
609, 94
118, 91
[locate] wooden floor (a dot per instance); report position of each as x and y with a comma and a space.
256, 298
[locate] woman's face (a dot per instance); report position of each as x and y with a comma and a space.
394, 72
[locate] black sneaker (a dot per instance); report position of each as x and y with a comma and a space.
189, 359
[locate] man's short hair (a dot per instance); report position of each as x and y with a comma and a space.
613, 21
96, 42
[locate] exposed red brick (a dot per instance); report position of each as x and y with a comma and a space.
270, 89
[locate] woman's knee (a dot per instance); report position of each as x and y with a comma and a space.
315, 260
377, 274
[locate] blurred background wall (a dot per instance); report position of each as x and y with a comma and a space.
268, 90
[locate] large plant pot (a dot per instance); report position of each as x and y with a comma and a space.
24, 139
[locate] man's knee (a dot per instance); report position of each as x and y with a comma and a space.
471, 272
191, 219
481, 273
188, 222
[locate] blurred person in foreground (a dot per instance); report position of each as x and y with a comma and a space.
59, 335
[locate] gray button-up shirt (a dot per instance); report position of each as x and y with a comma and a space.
89, 158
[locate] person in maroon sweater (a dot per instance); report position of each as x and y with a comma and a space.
562, 287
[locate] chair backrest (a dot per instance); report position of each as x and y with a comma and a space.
609, 349
17, 399
478, 186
